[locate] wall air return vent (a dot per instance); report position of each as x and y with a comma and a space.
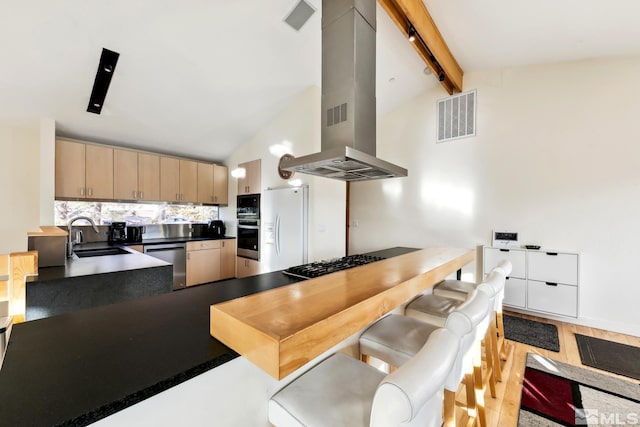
300, 14
456, 116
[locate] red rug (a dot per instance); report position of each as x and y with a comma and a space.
557, 394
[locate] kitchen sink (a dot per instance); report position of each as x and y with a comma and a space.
85, 253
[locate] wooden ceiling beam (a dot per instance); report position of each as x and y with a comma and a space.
433, 49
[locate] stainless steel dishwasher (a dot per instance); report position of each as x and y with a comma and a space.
175, 254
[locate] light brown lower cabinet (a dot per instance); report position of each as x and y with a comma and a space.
138, 248
210, 260
203, 262
227, 258
246, 267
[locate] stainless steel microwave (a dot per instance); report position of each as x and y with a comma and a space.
248, 207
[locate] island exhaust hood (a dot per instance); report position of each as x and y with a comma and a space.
348, 144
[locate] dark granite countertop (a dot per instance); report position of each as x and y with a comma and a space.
75, 267
76, 368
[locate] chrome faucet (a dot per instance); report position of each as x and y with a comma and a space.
70, 239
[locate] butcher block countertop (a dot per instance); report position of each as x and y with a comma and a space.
282, 329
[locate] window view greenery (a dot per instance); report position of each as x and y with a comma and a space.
134, 213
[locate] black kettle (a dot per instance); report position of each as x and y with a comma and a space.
216, 228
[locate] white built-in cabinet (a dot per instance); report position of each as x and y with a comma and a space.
542, 281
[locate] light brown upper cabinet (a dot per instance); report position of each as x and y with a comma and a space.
169, 179
83, 171
205, 183
90, 171
136, 175
220, 185
178, 180
188, 181
213, 184
148, 176
250, 184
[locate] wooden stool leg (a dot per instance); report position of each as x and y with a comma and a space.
479, 394
495, 357
449, 408
500, 325
471, 397
490, 374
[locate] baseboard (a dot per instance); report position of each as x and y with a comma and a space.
606, 325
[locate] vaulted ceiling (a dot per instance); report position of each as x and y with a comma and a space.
198, 77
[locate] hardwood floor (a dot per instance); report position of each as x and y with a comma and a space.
503, 410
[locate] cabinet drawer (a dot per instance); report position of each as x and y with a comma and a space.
515, 292
557, 299
203, 244
517, 257
554, 267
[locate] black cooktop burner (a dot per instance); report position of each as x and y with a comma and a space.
320, 268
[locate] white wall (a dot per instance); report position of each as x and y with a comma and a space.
297, 126
556, 158
47, 171
20, 181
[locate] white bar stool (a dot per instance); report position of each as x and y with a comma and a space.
342, 391
429, 307
395, 338
457, 289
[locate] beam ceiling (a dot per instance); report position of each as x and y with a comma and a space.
428, 43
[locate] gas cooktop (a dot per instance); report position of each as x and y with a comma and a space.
320, 268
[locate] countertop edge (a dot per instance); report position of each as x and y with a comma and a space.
157, 388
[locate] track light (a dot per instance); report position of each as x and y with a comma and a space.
412, 34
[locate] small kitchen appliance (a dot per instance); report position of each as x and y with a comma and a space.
134, 233
118, 232
216, 228
200, 230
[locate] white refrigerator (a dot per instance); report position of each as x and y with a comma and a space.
283, 220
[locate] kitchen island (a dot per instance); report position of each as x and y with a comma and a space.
84, 283
78, 368
283, 329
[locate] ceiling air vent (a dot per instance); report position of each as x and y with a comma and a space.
299, 15
456, 116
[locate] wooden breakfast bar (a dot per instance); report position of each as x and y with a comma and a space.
282, 329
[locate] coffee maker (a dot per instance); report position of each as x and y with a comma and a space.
118, 232
134, 233
216, 228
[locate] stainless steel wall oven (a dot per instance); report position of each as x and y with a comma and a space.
249, 239
248, 215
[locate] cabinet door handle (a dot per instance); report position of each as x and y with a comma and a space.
215, 198
188, 256
142, 195
505, 250
135, 194
82, 191
550, 284
552, 253
90, 191
177, 196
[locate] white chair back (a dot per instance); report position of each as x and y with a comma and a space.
505, 266
475, 310
413, 394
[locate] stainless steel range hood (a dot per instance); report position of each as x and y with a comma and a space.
348, 144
